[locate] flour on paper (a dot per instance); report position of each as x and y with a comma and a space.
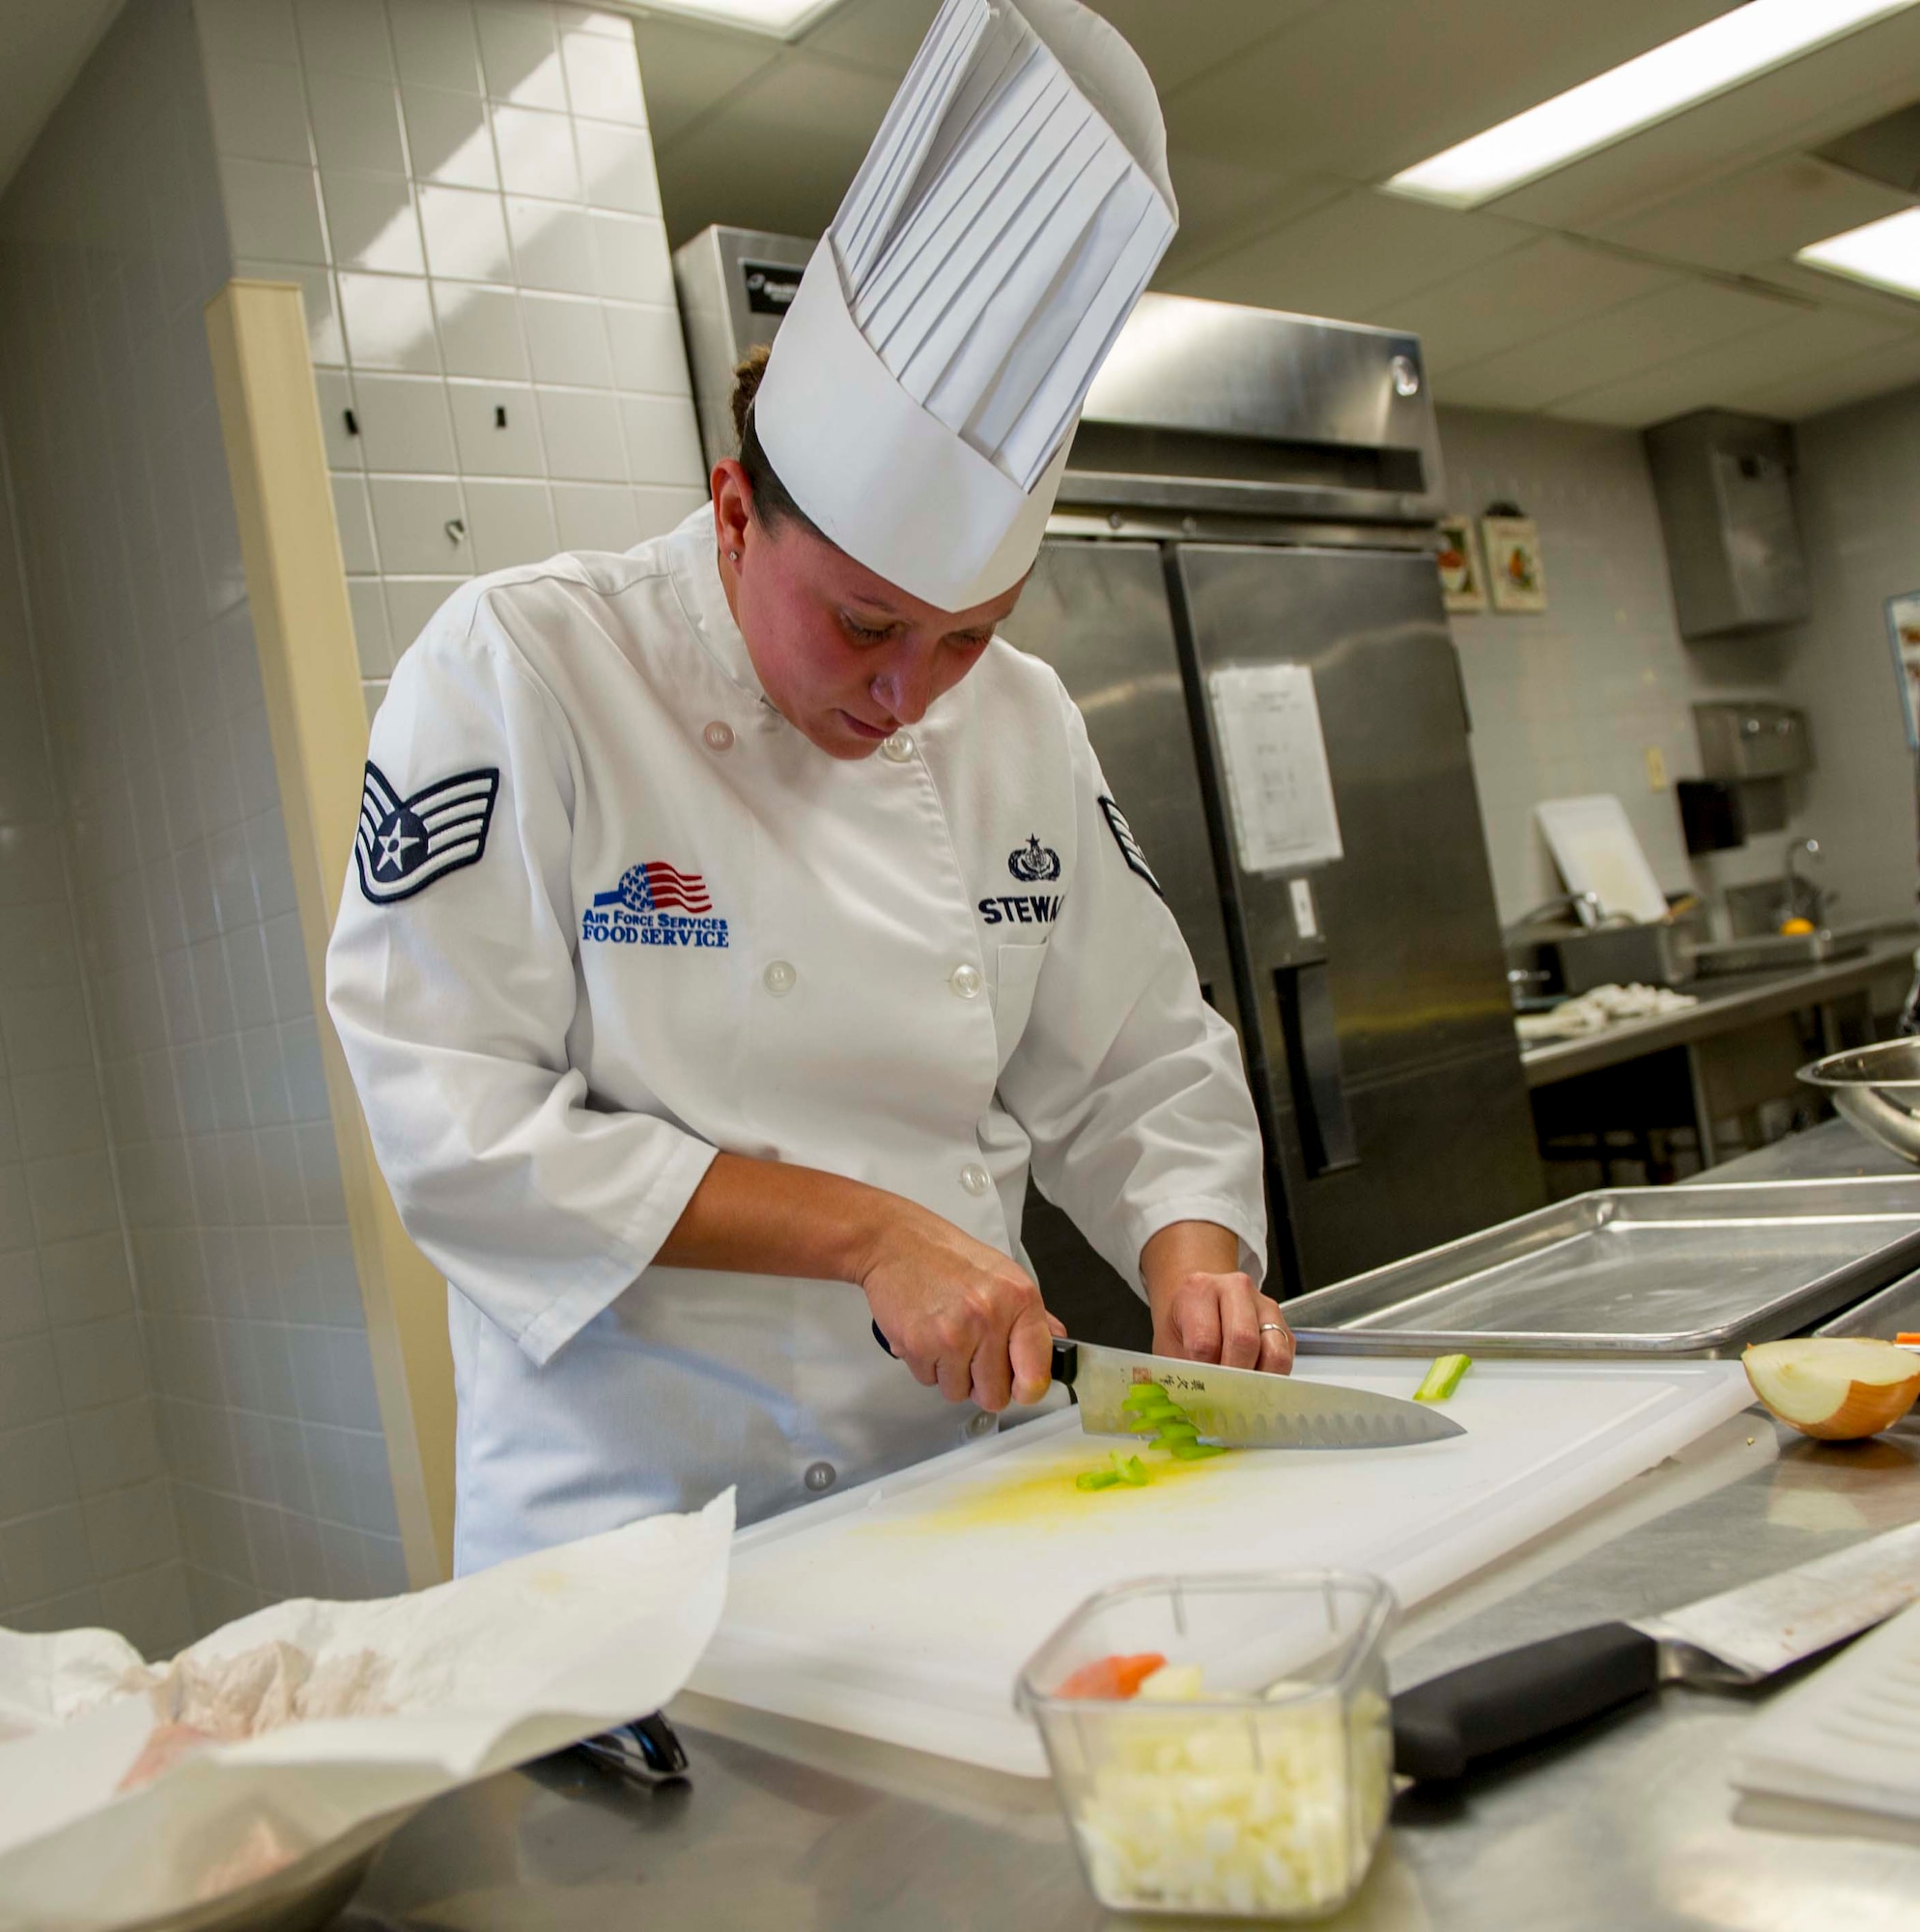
1266, 720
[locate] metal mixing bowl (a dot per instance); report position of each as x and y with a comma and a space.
1876, 1087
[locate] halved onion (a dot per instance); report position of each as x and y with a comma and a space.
1836, 1387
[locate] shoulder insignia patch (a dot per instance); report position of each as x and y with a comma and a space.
1116, 824
403, 844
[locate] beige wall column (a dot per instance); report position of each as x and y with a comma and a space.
296, 587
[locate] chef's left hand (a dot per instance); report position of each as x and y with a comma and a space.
1207, 1312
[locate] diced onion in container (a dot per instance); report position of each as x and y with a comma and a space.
1274, 1812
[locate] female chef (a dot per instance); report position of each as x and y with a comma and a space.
735, 923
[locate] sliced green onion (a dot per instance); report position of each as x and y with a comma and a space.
1443, 1379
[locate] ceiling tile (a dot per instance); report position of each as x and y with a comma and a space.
1365, 87
1715, 377
779, 153
1225, 205
1841, 291
1610, 347
1758, 214
1543, 285
1797, 107
1873, 374
1178, 42
1351, 257
687, 70
879, 34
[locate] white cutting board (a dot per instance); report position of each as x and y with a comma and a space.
904, 1608
1597, 851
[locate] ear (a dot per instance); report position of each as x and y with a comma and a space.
733, 505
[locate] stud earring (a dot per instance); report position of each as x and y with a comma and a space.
733, 556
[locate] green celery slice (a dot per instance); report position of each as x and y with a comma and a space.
1096, 1479
1134, 1471
1443, 1379
1194, 1452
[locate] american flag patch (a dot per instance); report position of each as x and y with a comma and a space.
658, 887
404, 843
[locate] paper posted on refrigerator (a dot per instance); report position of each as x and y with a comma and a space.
454, 1683
1266, 720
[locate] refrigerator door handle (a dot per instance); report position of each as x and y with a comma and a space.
1313, 1068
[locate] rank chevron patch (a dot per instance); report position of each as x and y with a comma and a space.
403, 844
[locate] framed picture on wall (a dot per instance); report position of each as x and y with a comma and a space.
1461, 584
1902, 628
1515, 573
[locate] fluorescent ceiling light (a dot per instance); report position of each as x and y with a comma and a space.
1751, 40
781, 19
1885, 254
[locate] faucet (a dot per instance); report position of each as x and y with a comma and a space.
1791, 882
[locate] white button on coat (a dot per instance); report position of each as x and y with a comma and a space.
778, 978
553, 1037
966, 981
898, 749
719, 736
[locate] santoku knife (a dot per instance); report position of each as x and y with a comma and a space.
1446, 1727
1242, 1408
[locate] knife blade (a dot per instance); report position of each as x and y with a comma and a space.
1446, 1727
1241, 1409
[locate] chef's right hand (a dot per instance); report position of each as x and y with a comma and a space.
958, 1312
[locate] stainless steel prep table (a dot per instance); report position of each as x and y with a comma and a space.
1633, 1826
1724, 1007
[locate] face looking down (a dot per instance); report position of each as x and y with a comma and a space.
846, 657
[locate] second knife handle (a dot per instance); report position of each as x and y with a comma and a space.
1444, 1727
1066, 1364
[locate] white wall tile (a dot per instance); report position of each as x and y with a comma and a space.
630, 251
389, 322
582, 436
410, 602
353, 511
617, 167
566, 339
536, 153
345, 449
371, 222
247, 29
273, 211
594, 516
403, 426
467, 234
371, 639
657, 510
662, 440
433, 42
411, 515
519, 56
356, 123
552, 246
512, 522
480, 331
487, 446
649, 350
604, 78
449, 137
259, 111
345, 37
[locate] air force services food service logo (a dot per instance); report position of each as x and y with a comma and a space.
403, 844
654, 904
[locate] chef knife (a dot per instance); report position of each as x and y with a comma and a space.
1242, 1408
1446, 1727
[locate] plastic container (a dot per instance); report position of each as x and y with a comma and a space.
1263, 1796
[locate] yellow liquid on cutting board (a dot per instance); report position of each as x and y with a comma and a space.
1046, 1497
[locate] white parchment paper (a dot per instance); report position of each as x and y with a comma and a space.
484, 1672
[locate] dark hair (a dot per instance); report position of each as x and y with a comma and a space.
771, 501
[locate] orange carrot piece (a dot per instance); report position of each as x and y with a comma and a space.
1908, 1338
1112, 1677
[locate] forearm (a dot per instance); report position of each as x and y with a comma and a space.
1181, 1249
770, 1217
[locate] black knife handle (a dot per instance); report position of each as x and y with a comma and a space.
1066, 1357
1444, 1727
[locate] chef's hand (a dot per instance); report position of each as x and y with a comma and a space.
958, 1312
1204, 1309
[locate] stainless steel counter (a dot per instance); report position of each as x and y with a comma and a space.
1631, 1825
1738, 1003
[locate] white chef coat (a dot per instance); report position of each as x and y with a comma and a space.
653, 921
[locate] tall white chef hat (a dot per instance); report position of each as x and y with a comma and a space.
924, 384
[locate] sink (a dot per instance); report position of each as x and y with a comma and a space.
1778, 951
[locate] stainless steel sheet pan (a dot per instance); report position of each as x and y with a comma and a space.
1698, 1270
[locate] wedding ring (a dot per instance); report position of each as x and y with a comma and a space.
1275, 1328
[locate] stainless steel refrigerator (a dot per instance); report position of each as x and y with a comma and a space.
1249, 516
